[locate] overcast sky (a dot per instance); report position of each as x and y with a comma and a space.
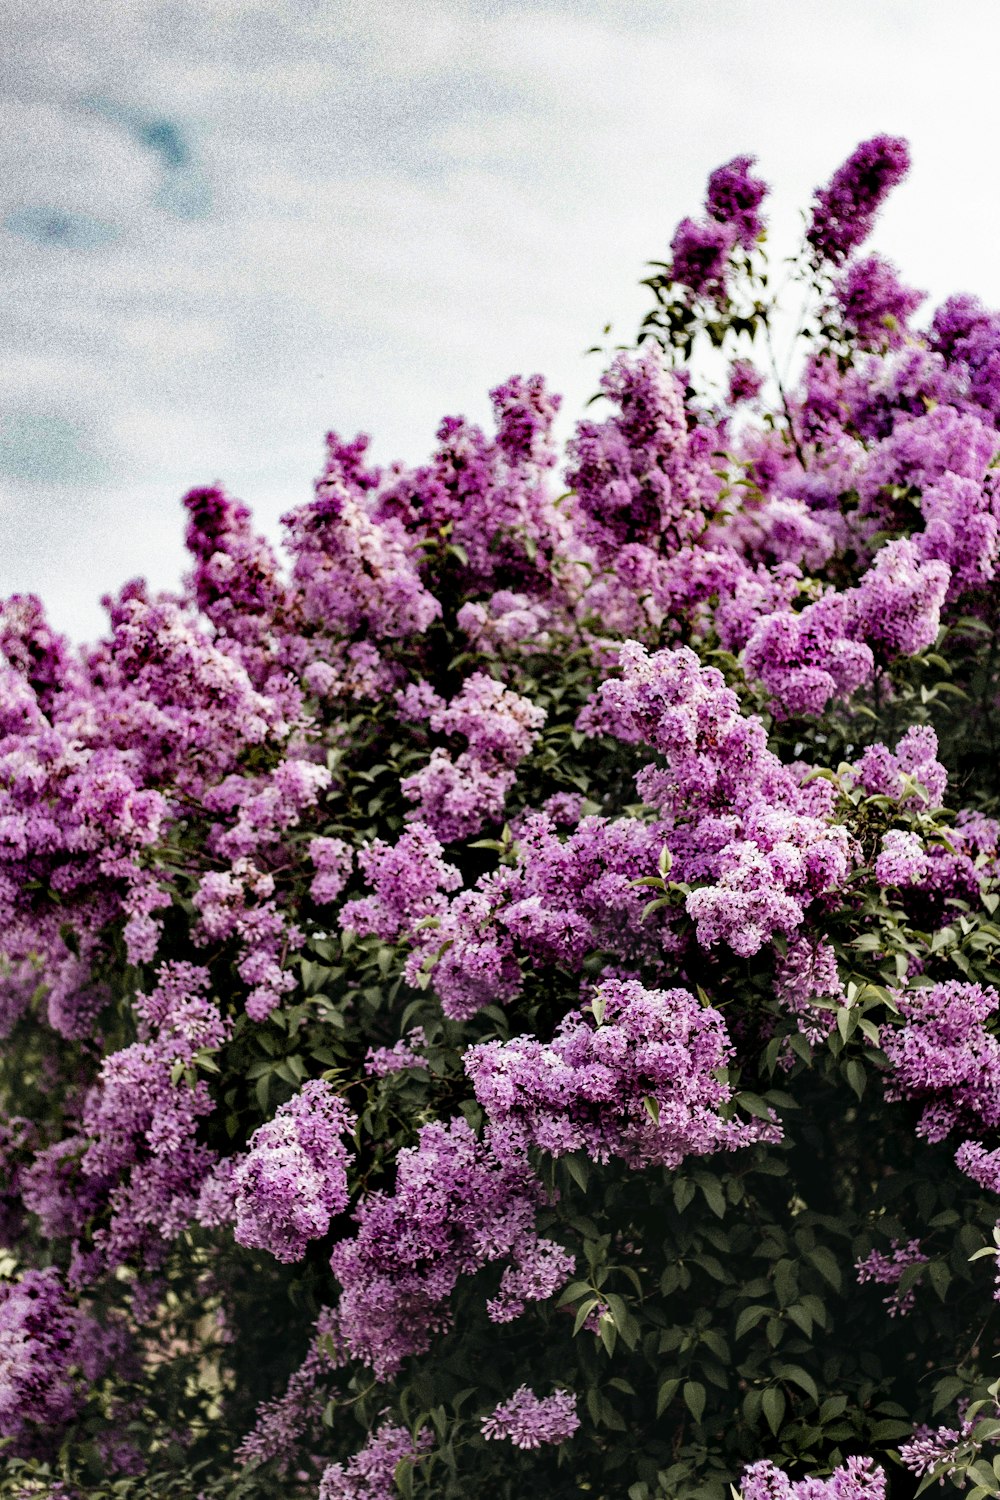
227, 226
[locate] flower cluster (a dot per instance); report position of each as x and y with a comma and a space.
455, 1208
456, 795
887, 1270
637, 1076
369, 1475
293, 1179
945, 1057
140, 1120
49, 1349
845, 210
528, 1421
856, 1479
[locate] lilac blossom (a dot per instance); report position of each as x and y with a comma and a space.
293, 1179
856, 1479
281, 1423
380, 1061
873, 303
455, 1208
734, 197
844, 211
635, 1077
944, 1057
887, 1268
332, 860
940, 1451
902, 861
528, 1421
700, 255
50, 1351
141, 1126
409, 880
370, 1474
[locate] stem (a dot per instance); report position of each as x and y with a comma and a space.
766, 321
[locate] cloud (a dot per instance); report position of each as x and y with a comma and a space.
39, 447
49, 226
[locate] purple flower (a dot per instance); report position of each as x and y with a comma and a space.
844, 211
332, 860
745, 381
49, 1352
528, 1421
635, 1076
370, 1474
701, 255
875, 305
734, 197
944, 1057
856, 1479
902, 861
887, 1269
456, 1207
293, 1179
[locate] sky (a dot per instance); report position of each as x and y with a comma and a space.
227, 227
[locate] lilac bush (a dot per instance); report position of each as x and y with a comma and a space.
503, 992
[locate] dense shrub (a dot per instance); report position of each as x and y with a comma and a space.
503, 1000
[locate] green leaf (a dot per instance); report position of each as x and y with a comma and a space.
799, 1377
577, 1167
982, 1473
583, 1313
940, 1277
694, 1398
684, 1190
403, 1476
714, 1197
887, 1432
666, 1393
749, 1318
773, 1406
855, 1074
826, 1265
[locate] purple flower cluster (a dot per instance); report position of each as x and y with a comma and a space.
844, 211
887, 1270
911, 775
734, 196
808, 972
830, 648
397, 1058
282, 1422
635, 1076
457, 795
293, 1179
945, 1057
700, 253
50, 1351
456, 1208
369, 1475
902, 861
528, 1421
940, 1450
140, 1120
562, 898
409, 880
873, 303
855, 1479
640, 477
739, 821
